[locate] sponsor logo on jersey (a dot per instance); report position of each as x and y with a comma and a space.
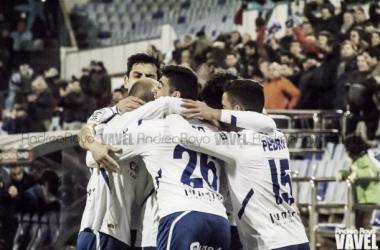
198, 246
354, 239
133, 169
112, 225
283, 218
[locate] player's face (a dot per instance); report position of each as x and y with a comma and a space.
140, 71
163, 88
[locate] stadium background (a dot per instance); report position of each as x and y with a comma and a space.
53, 53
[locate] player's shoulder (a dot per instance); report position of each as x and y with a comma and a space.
202, 125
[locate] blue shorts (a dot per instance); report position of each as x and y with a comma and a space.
193, 230
304, 246
235, 239
87, 241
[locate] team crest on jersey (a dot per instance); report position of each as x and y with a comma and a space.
97, 116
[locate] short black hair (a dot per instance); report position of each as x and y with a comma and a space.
355, 144
248, 94
142, 89
182, 79
252, 44
213, 90
144, 58
372, 52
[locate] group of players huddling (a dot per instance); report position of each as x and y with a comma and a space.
171, 172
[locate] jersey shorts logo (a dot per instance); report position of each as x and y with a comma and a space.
97, 116
198, 246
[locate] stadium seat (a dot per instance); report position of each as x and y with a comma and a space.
42, 237
21, 237
33, 231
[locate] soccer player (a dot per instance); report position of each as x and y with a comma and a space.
109, 214
139, 67
192, 215
258, 173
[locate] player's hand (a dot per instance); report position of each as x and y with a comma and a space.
200, 110
100, 153
13, 192
129, 104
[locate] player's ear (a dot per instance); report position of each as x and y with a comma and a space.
176, 94
238, 108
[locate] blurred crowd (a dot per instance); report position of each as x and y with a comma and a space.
327, 59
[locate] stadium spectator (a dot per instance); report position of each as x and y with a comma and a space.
52, 79
328, 20
17, 121
96, 82
375, 39
20, 182
347, 26
22, 38
43, 196
249, 59
117, 96
360, 17
200, 45
374, 12
361, 103
20, 86
356, 37
72, 101
372, 56
279, 92
7, 221
232, 62
367, 192
40, 103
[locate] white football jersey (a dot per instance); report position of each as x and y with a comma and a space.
130, 199
184, 180
259, 175
110, 198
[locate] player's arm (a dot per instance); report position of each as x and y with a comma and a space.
210, 143
86, 137
126, 149
157, 109
242, 119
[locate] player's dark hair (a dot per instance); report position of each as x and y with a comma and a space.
144, 58
248, 94
142, 89
213, 90
183, 80
372, 52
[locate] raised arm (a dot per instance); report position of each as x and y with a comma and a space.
210, 143
243, 119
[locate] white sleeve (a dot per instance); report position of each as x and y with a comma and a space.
102, 115
128, 145
158, 109
249, 120
211, 143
